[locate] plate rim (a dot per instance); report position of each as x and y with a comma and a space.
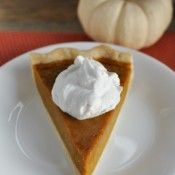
134, 51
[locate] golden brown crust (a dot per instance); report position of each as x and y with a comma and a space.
101, 51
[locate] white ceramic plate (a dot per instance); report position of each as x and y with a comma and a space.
143, 143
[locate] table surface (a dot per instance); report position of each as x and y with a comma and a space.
42, 15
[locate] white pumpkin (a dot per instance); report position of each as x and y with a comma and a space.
132, 23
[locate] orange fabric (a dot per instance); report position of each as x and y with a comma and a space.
13, 44
164, 50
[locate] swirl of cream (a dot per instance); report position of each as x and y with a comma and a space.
86, 89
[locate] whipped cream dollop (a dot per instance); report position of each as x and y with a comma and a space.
86, 89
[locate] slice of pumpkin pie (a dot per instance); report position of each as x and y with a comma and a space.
84, 118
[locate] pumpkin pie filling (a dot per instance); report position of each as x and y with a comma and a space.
49, 71
84, 139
